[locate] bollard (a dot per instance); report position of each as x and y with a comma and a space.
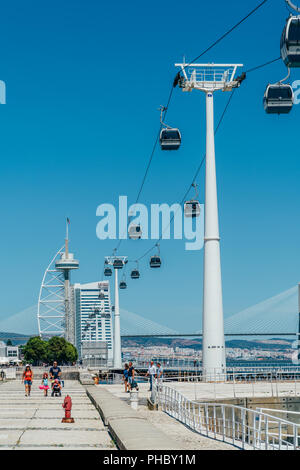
134, 399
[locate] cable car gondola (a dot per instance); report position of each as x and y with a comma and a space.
170, 138
278, 99
155, 262
118, 263
123, 285
135, 274
135, 232
290, 42
107, 272
192, 208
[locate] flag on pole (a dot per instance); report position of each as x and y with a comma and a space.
68, 220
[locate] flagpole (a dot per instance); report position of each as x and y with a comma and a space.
67, 239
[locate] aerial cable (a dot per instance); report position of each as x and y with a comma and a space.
263, 65
175, 83
193, 180
177, 78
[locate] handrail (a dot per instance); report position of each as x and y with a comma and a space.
240, 426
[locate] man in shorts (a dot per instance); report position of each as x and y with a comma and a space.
130, 374
55, 372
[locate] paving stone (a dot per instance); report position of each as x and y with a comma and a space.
65, 438
9, 438
57, 424
90, 413
13, 423
35, 422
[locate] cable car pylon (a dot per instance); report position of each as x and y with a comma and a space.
117, 262
210, 78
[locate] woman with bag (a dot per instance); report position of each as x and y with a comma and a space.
27, 379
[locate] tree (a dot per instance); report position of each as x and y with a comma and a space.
35, 350
60, 350
9, 342
71, 353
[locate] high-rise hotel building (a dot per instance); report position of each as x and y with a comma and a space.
93, 317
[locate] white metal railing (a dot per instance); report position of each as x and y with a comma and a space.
232, 376
198, 390
185, 364
209, 74
239, 426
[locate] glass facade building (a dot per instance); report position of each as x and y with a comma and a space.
93, 317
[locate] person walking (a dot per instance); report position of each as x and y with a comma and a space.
27, 379
131, 373
151, 373
55, 373
45, 385
125, 378
159, 373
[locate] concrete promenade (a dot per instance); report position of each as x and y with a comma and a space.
179, 435
130, 430
35, 422
105, 420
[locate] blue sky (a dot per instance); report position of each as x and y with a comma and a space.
84, 81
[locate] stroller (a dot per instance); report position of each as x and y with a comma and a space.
56, 389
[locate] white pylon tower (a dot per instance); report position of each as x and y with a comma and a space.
65, 264
51, 305
210, 78
117, 262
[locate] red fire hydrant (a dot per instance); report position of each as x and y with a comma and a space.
67, 405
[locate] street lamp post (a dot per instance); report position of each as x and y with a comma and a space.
210, 78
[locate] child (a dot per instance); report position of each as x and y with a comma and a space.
56, 388
134, 385
45, 385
